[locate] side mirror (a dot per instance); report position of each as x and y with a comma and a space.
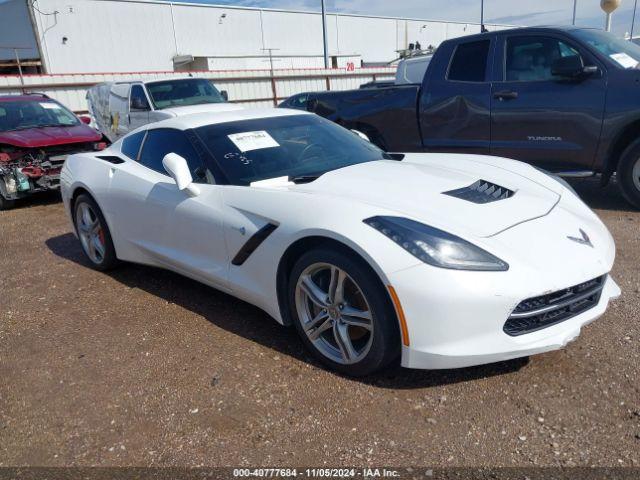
84, 119
225, 95
177, 167
140, 104
569, 67
361, 135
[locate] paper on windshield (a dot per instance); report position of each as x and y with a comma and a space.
50, 106
624, 60
257, 140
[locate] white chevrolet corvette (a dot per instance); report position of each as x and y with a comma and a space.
444, 260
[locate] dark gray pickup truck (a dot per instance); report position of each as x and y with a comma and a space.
563, 99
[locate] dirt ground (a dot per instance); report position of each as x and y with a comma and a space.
143, 367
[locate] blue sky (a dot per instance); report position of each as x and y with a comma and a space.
527, 12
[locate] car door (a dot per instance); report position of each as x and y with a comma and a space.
455, 103
167, 226
540, 118
139, 107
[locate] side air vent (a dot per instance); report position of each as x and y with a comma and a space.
481, 192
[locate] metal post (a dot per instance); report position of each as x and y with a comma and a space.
575, 7
481, 16
324, 36
607, 23
274, 91
15, 51
633, 20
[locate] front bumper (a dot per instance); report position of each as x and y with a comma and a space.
457, 318
452, 332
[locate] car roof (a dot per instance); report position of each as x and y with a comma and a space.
195, 120
25, 97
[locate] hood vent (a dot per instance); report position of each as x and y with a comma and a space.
481, 192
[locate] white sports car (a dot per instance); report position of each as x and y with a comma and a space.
444, 260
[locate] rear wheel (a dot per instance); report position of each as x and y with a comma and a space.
342, 313
94, 234
628, 174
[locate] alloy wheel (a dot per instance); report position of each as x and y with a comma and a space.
90, 232
635, 174
334, 313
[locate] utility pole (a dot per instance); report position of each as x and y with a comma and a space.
633, 20
324, 35
270, 50
481, 16
274, 91
15, 51
575, 7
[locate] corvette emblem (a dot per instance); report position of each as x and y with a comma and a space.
584, 240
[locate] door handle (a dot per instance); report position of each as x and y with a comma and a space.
506, 95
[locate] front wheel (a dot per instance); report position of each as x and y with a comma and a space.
6, 204
342, 312
94, 234
628, 174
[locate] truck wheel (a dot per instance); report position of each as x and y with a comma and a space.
628, 174
6, 204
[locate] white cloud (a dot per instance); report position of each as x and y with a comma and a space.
524, 12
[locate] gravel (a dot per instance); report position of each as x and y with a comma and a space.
143, 367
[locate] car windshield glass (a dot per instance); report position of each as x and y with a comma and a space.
180, 93
23, 114
295, 146
623, 53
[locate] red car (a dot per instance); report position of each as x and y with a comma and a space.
36, 135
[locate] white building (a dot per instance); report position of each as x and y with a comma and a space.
88, 36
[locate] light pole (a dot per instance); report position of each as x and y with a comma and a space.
481, 16
324, 36
575, 7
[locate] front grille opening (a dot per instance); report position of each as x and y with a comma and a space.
540, 312
481, 192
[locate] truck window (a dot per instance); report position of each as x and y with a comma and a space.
131, 145
138, 100
469, 62
529, 59
161, 141
183, 92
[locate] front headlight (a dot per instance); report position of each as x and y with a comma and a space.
436, 247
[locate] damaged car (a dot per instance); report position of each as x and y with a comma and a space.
36, 135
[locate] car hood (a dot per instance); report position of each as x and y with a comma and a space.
415, 186
202, 108
49, 136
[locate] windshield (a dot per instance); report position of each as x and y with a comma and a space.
295, 146
625, 54
23, 114
183, 92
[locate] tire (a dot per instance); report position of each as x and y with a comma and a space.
6, 204
628, 174
94, 234
343, 338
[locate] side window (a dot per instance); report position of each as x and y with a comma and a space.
161, 141
131, 145
469, 62
529, 59
138, 100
